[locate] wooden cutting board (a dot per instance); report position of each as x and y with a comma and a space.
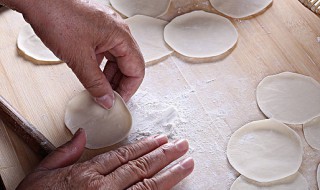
212, 98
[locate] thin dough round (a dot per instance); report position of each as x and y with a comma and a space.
318, 176
129, 8
265, 151
103, 127
32, 48
289, 97
148, 32
296, 181
311, 132
200, 34
240, 8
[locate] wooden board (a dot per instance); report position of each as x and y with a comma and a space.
212, 98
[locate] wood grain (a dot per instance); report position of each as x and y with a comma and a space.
220, 92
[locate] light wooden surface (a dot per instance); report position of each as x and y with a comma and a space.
214, 98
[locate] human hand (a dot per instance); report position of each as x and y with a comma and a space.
132, 167
82, 34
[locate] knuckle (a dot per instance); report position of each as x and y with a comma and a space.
147, 184
140, 167
95, 83
124, 153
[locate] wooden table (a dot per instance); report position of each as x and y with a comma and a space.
209, 99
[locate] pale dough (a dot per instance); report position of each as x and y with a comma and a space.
130, 8
295, 182
311, 132
289, 97
200, 34
148, 32
265, 151
103, 127
318, 176
32, 48
240, 8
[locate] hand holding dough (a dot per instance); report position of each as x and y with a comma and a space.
103, 127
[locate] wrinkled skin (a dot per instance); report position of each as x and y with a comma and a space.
131, 167
82, 34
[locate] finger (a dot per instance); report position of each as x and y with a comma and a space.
110, 71
108, 162
131, 64
168, 179
66, 154
88, 72
148, 165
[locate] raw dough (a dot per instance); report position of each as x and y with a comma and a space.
148, 32
130, 8
296, 181
265, 151
289, 97
32, 48
318, 176
200, 34
311, 132
103, 127
240, 8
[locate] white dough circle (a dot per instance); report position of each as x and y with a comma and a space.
240, 8
311, 132
130, 8
148, 32
289, 97
265, 151
318, 176
200, 34
33, 49
103, 127
296, 181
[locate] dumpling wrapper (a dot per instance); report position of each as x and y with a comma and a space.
311, 132
240, 8
129, 8
33, 49
265, 151
148, 32
200, 34
289, 97
296, 181
103, 127
318, 176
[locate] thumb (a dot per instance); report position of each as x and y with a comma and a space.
86, 68
66, 154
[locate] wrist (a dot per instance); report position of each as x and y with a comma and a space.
18, 5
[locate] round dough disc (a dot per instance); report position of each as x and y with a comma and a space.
311, 132
130, 8
200, 34
33, 49
318, 176
103, 127
289, 97
265, 151
148, 32
240, 8
296, 181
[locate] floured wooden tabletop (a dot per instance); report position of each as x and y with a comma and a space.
204, 101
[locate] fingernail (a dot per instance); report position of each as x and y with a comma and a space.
187, 163
161, 139
182, 145
105, 101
